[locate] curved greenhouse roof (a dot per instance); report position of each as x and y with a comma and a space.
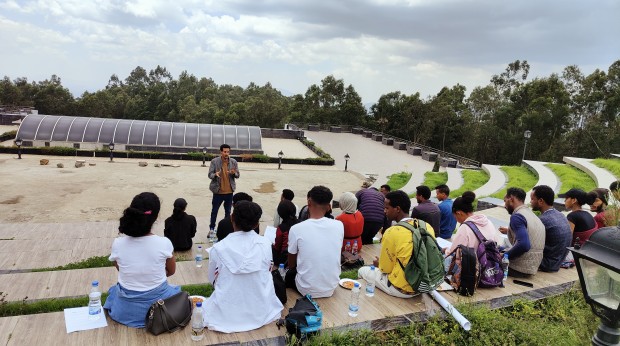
48, 128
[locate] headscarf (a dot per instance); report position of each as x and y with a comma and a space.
348, 202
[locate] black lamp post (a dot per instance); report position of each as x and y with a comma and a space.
346, 161
527, 134
19, 142
111, 147
598, 265
204, 156
280, 155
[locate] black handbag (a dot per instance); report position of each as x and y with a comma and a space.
169, 315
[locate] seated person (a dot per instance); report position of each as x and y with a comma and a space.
288, 214
244, 297
143, 261
352, 220
370, 203
225, 227
314, 248
180, 228
557, 230
426, 210
396, 245
287, 195
581, 222
448, 222
597, 199
384, 189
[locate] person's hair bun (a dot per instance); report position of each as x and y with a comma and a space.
468, 197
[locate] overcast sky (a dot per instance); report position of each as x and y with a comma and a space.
378, 46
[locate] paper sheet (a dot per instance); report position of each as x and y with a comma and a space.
443, 243
270, 233
77, 319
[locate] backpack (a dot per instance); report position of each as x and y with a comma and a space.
490, 259
303, 214
304, 319
425, 270
464, 270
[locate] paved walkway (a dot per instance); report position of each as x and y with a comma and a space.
455, 179
601, 176
497, 180
371, 157
545, 175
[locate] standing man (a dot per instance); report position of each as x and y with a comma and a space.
448, 222
426, 210
223, 171
557, 230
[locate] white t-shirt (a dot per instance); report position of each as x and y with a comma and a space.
317, 244
141, 261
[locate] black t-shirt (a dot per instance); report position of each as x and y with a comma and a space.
583, 220
225, 227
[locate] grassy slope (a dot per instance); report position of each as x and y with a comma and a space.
571, 177
518, 176
432, 179
398, 180
472, 179
612, 165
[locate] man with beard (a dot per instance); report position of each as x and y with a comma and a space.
526, 233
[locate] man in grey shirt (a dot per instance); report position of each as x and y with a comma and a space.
426, 210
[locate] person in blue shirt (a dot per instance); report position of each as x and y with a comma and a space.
448, 222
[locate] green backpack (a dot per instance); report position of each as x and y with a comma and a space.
425, 270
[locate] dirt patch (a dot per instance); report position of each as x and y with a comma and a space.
268, 187
13, 200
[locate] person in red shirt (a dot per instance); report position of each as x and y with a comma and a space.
288, 214
352, 220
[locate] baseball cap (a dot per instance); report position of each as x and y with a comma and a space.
578, 194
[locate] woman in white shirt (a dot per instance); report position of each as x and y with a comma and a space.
239, 267
144, 261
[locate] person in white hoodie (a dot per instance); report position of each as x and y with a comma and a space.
239, 268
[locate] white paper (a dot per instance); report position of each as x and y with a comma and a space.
444, 243
270, 233
78, 319
451, 309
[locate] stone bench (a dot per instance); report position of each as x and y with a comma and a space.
429, 156
314, 127
448, 162
400, 145
414, 151
388, 141
367, 134
357, 131
377, 137
335, 129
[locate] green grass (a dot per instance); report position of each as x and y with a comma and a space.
518, 176
397, 180
91, 262
571, 177
432, 179
612, 165
349, 274
472, 179
561, 320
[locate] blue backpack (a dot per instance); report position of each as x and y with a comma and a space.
305, 318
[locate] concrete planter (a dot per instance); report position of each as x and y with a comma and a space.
400, 145
429, 156
335, 129
388, 141
314, 127
368, 134
377, 137
414, 151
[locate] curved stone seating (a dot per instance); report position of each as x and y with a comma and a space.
601, 176
497, 180
544, 173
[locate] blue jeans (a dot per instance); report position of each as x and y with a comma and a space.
217, 201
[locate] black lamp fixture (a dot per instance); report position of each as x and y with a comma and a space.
527, 134
280, 155
346, 161
111, 147
204, 156
19, 142
598, 265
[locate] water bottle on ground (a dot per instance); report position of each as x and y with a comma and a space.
199, 257
355, 248
370, 282
354, 306
198, 330
505, 263
94, 302
347, 247
281, 270
212, 236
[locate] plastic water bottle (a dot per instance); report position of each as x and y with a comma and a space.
281, 270
347, 247
354, 248
198, 328
199, 257
212, 236
505, 263
354, 306
94, 302
370, 282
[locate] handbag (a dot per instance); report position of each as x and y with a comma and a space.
349, 261
169, 315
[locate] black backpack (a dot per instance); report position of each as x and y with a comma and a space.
304, 319
464, 271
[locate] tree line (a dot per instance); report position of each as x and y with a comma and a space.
568, 113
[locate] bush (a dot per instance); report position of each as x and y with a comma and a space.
58, 151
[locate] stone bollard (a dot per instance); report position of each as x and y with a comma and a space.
44, 162
143, 164
79, 163
92, 164
60, 165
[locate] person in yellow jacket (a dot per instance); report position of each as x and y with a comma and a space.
396, 245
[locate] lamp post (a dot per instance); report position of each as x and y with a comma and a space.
527, 134
598, 265
19, 142
111, 147
346, 161
280, 155
204, 156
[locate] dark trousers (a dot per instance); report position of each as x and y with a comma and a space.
216, 202
370, 230
289, 279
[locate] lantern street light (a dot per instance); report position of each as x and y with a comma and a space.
346, 161
111, 147
280, 155
19, 142
204, 156
527, 134
598, 265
